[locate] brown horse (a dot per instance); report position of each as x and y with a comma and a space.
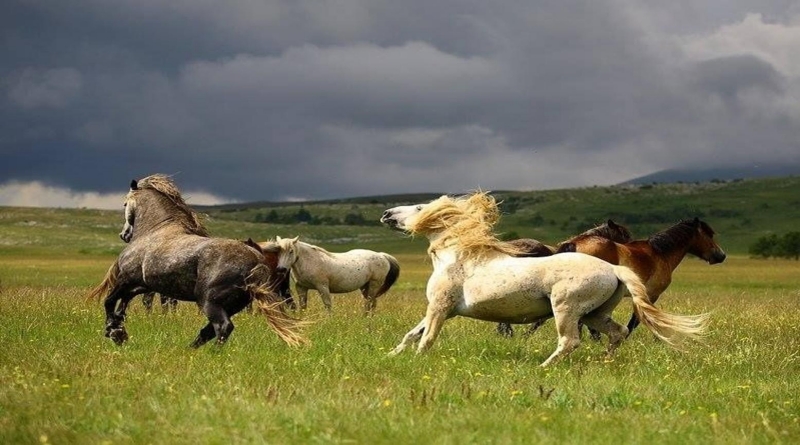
654, 259
533, 248
279, 279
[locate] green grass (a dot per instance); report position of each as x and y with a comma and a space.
61, 381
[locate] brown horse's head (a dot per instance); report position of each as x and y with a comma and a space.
696, 236
704, 245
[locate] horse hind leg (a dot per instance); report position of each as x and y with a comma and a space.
603, 323
370, 301
206, 334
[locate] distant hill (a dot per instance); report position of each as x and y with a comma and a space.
704, 175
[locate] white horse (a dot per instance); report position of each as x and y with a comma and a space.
315, 268
475, 275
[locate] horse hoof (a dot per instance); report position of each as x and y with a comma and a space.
119, 336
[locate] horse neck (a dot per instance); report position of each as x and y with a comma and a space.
441, 257
309, 255
153, 217
676, 251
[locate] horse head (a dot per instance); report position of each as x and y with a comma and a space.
130, 213
397, 217
288, 253
703, 245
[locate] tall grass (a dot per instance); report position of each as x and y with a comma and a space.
62, 382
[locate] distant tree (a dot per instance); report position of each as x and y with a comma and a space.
790, 245
303, 216
354, 219
272, 217
765, 246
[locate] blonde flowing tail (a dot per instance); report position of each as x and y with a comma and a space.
668, 327
105, 286
257, 284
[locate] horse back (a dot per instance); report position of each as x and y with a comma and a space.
598, 247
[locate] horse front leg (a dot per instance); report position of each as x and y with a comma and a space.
567, 327
115, 316
302, 297
325, 295
434, 320
410, 338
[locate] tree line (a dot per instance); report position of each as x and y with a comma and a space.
774, 246
303, 216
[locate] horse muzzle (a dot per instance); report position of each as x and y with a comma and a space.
126, 235
388, 219
717, 257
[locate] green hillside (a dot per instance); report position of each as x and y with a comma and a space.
740, 211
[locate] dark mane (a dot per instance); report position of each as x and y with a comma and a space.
163, 185
678, 235
610, 230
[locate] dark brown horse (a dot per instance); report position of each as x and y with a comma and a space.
655, 258
279, 281
169, 251
533, 248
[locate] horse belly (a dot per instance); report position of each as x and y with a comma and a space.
515, 307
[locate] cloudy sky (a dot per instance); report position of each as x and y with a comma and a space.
274, 100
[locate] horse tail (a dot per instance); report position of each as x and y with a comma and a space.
667, 327
257, 285
391, 276
108, 283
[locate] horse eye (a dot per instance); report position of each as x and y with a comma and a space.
419, 207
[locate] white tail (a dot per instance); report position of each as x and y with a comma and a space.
668, 327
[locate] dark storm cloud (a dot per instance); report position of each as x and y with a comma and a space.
268, 100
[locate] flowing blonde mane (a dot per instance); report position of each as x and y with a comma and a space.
466, 223
165, 186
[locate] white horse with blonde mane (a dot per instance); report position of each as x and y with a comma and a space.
313, 267
475, 275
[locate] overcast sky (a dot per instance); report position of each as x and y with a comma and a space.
273, 100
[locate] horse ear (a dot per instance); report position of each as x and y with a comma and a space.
134, 185
294, 240
278, 239
611, 223
696, 221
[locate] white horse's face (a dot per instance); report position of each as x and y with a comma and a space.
130, 209
288, 253
400, 216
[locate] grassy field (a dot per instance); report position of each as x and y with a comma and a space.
61, 381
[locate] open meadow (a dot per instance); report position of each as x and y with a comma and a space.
61, 381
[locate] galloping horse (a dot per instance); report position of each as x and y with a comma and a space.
169, 252
476, 275
279, 281
315, 268
533, 248
655, 258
